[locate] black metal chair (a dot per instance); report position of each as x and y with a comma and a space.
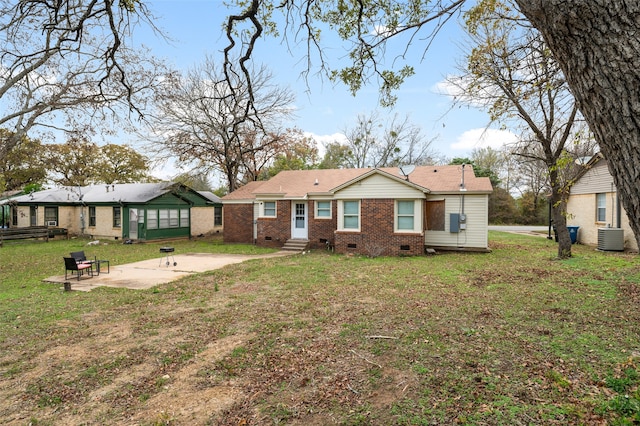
70, 264
80, 257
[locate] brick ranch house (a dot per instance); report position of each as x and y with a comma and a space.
367, 211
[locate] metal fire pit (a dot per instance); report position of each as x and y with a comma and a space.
169, 252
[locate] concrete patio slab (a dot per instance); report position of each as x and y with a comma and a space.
149, 273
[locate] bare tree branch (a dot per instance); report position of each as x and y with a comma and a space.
67, 59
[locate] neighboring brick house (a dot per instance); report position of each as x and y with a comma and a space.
594, 205
364, 211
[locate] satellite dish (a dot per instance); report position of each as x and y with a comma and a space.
406, 170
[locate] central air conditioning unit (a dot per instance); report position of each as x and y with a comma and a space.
52, 223
610, 239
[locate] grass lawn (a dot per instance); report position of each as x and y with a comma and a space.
506, 338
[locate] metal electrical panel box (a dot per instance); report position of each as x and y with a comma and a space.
454, 222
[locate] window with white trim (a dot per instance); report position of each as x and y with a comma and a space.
350, 217
323, 210
152, 219
164, 218
405, 215
184, 218
174, 218
601, 207
269, 209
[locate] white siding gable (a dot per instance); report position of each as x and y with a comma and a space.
595, 180
378, 187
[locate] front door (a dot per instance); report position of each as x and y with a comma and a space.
299, 220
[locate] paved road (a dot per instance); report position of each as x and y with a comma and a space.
519, 228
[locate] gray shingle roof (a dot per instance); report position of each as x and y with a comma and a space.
119, 192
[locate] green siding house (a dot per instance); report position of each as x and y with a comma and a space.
138, 211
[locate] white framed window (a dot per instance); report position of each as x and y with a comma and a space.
405, 216
174, 218
184, 218
349, 215
269, 209
601, 207
164, 218
152, 219
323, 210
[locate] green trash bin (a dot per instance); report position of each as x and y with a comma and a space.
573, 233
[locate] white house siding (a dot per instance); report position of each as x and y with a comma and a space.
595, 180
581, 207
476, 234
380, 187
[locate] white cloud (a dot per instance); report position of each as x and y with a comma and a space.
457, 88
166, 170
324, 140
483, 138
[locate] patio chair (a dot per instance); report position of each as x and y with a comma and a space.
80, 257
70, 264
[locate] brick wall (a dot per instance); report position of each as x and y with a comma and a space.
375, 239
376, 236
238, 223
274, 232
322, 230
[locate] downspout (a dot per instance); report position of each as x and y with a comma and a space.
618, 212
462, 188
612, 203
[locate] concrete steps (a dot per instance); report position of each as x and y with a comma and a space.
295, 245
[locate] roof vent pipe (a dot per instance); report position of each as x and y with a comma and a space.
316, 182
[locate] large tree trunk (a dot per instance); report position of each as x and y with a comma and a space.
597, 43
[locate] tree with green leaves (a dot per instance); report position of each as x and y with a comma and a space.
121, 164
73, 163
79, 162
478, 170
335, 156
299, 152
22, 165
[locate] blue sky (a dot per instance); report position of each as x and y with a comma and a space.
324, 109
